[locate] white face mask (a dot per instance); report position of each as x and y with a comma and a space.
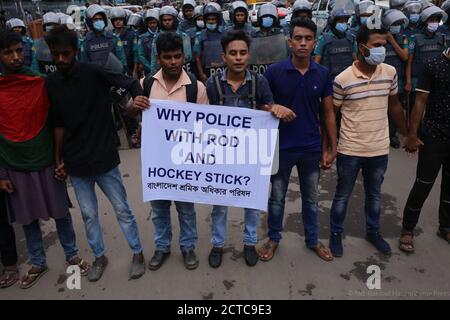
201, 24
432, 26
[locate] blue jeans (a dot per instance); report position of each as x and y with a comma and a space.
309, 171
163, 226
348, 167
219, 226
35, 246
112, 186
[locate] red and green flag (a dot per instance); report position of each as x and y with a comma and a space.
25, 140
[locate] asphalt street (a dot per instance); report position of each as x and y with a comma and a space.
294, 273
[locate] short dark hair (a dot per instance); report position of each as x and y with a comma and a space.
168, 41
303, 23
234, 35
9, 38
363, 35
62, 36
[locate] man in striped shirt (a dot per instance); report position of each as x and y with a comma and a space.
365, 92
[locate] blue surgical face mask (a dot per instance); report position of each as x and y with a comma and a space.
432, 26
395, 29
414, 18
364, 20
341, 27
211, 26
377, 56
267, 22
99, 25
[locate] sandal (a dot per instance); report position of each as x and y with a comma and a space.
9, 276
444, 235
406, 243
322, 252
267, 251
32, 277
83, 265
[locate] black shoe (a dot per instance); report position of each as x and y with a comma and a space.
379, 243
97, 268
251, 255
336, 245
158, 259
190, 259
215, 257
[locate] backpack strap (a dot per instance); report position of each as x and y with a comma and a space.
192, 89
252, 95
219, 89
147, 84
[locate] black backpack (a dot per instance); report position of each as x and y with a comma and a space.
191, 89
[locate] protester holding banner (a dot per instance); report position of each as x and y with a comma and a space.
239, 87
85, 143
27, 163
171, 82
306, 87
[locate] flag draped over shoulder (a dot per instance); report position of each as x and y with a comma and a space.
25, 140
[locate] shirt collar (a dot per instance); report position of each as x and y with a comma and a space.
248, 76
290, 66
359, 74
184, 80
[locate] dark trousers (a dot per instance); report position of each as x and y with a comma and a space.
8, 252
433, 156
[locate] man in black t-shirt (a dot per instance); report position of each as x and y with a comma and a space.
434, 146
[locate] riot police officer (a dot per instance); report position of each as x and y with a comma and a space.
301, 9
239, 17
208, 49
363, 11
188, 24
29, 53
269, 43
412, 10
118, 17
397, 56
99, 43
135, 22
397, 4
168, 22
425, 45
43, 55
151, 21
198, 18
336, 48
445, 27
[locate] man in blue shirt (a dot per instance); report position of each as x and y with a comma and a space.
306, 87
239, 87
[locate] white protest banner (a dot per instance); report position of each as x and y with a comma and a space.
207, 154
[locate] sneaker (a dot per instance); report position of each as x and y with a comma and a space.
377, 240
97, 268
215, 257
251, 255
190, 259
137, 269
336, 244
